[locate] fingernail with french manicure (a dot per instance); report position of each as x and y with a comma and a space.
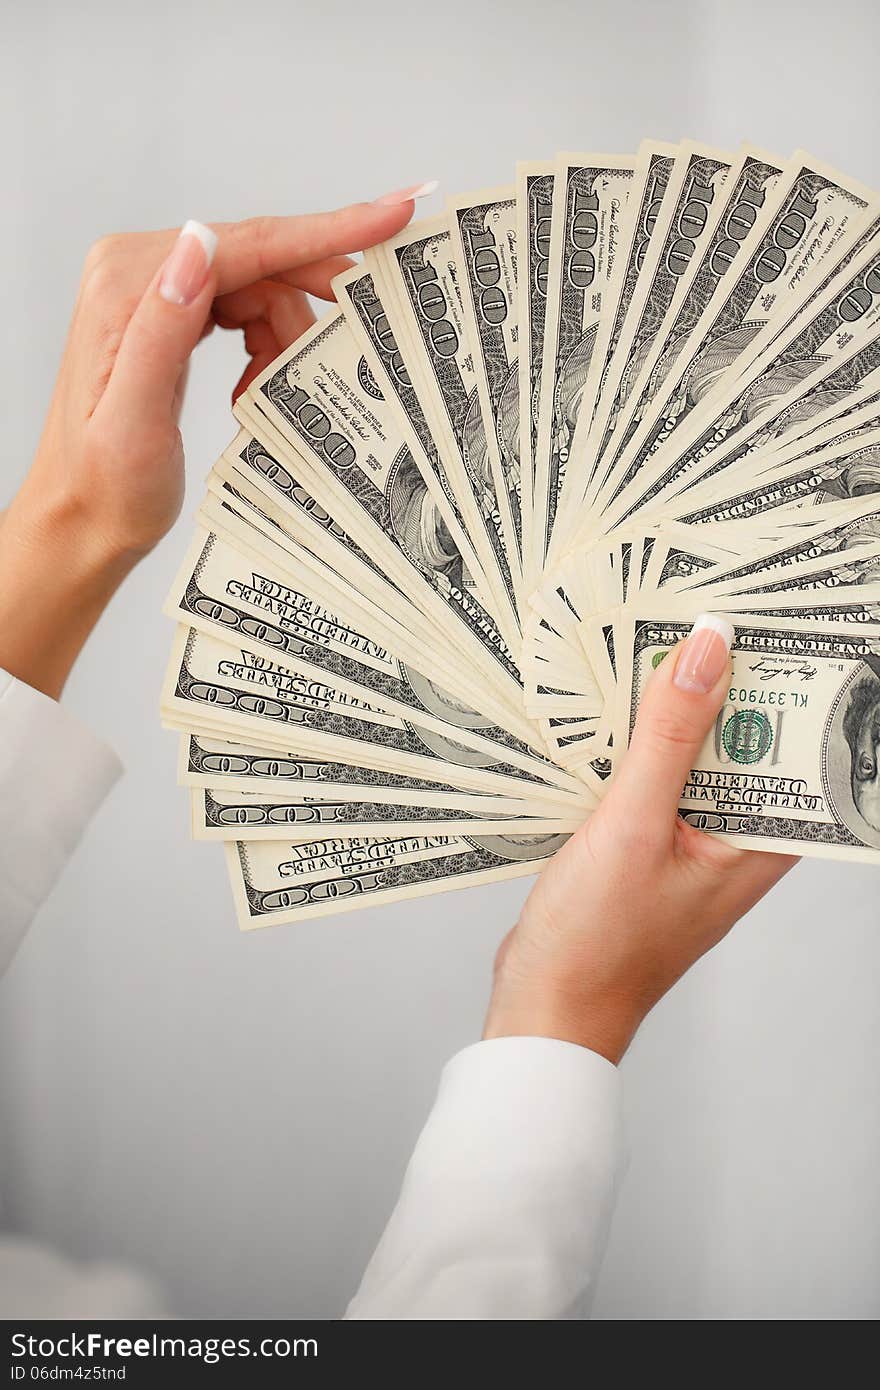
703, 656
188, 263
407, 195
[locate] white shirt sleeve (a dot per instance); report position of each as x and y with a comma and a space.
54, 774
507, 1200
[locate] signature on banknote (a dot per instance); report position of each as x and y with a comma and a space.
766, 669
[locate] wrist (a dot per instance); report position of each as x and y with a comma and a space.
57, 574
607, 1031
571, 1005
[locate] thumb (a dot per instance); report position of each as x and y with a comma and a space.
681, 701
161, 334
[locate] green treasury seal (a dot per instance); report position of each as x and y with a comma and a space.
747, 736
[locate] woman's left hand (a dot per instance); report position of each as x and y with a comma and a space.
637, 894
107, 481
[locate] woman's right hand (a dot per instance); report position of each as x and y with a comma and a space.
107, 479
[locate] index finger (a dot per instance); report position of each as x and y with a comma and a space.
265, 246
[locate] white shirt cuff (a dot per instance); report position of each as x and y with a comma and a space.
54, 774
506, 1202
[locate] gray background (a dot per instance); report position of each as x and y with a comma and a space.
234, 1113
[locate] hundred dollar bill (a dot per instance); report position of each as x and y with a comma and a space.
221, 815
247, 521
792, 763
218, 590
300, 534
235, 511
253, 525
233, 769
717, 462
844, 590
846, 420
276, 883
360, 298
677, 565
815, 217
848, 596
310, 414
236, 692
863, 612
680, 556
650, 195
851, 427
736, 208
484, 237
534, 206
839, 584
589, 209
836, 578
856, 526
303, 526
215, 573
845, 315
833, 474
696, 185
360, 470
231, 512
424, 304
797, 451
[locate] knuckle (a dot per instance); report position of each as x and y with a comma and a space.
104, 255
666, 729
258, 235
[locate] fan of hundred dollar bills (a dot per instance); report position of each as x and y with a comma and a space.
469, 511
